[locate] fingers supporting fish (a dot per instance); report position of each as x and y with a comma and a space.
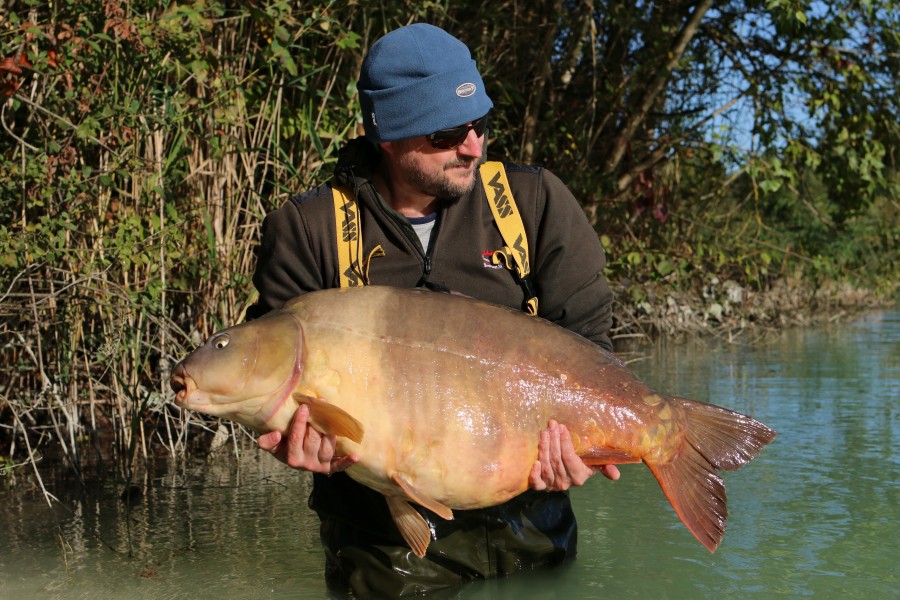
342, 463
558, 466
535, 481
270, 442
301, 447
611, 472
555, 473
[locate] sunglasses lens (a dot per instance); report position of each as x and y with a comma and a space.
449, 138
446, 139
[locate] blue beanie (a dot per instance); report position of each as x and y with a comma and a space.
416, 80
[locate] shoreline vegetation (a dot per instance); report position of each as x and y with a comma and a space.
142, 142
126, 437
725, 310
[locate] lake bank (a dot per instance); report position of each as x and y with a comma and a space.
727, 309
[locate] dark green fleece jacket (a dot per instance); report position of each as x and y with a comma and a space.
299, 253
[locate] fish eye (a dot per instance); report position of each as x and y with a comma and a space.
220, 341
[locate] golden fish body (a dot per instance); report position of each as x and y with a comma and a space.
443, 397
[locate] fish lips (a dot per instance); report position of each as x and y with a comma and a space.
183, 385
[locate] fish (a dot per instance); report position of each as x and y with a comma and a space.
443, 397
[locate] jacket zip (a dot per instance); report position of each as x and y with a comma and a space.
408, 232
432, 243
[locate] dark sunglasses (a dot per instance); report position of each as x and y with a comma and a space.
445, 139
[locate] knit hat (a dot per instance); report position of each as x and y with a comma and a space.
416, 80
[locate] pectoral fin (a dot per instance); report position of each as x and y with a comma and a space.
419, 498
330, 419
411, 524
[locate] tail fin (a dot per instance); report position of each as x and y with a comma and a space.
715, 438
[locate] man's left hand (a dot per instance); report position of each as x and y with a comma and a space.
558, 467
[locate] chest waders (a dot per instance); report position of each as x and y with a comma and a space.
354, 269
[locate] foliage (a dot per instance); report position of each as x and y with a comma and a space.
142, 143
772, 119
145, 142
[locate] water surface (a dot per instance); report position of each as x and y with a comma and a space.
816, 515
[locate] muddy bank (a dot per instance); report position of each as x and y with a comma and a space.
728, 309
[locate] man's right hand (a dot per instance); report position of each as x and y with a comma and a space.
304, 447
558, 467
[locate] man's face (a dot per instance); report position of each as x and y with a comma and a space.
440, 173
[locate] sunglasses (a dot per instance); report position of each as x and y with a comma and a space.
445, 139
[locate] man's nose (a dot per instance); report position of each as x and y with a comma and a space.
473, 146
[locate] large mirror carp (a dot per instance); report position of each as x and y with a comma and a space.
443, 397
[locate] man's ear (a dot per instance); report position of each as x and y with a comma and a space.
387, 147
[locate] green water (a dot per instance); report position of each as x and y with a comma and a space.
815, 516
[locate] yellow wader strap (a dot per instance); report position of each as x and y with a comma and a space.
514, 255
353, 271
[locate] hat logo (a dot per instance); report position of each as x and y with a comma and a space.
465, 90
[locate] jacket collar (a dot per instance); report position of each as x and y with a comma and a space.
357, 161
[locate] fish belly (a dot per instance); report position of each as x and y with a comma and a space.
452, 397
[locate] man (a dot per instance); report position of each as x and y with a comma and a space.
421, 203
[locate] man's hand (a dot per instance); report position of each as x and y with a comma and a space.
558, 467
304, 447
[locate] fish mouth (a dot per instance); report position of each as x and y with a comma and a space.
182, 384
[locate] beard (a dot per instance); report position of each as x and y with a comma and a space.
438, 184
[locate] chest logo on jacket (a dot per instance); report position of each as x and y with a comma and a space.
487, 260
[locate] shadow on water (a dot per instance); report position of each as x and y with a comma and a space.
816, 515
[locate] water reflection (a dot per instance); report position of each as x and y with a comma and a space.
212, 525
815, 515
